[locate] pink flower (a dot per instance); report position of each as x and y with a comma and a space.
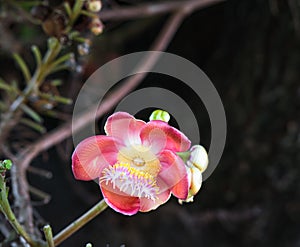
136, 163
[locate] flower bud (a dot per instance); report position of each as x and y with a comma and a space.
94, 5
196, 180
96, 26
198, 158
160, 115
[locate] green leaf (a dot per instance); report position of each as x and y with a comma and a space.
56, 82
37, 55
77, 7
56, 114
4, 85
31, 113
68, 9
19, 60
62, 59
56, 98
87, 13
60, 67
37, 127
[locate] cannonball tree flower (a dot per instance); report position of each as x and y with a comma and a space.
136, 163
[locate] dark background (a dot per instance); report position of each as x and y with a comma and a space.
250, 50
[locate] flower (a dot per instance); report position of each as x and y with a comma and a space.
136, 163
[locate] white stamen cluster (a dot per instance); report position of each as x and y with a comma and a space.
130, 181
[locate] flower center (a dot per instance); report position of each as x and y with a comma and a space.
138, 161
130, 181
140, 158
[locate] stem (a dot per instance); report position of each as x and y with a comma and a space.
80, 222
6, 210
48, 235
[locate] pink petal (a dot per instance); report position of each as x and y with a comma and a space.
120, 201
159, 135
92, 155
125, 127
148, 204
173, 174
180, 189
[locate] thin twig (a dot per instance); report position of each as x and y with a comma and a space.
48, 235
146, 10
9, 214
80, 222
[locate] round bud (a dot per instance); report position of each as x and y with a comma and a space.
160, 115
94, 6
198, 158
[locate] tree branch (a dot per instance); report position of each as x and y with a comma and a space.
147, 10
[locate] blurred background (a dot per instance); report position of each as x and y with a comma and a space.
251, 52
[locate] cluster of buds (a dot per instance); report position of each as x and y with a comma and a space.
196, 164
96, 26
55, 20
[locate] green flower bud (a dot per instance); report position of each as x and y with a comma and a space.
5, 164
160, 115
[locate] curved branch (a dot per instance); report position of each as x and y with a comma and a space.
146, 10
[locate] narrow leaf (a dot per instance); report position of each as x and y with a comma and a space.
37, 127
60, 67
77, 6
4, 85
56, 82
31, 113
58, 115
56, 98
62, 59
22, 66
68, 9
76, 10
37, 55
87, 13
